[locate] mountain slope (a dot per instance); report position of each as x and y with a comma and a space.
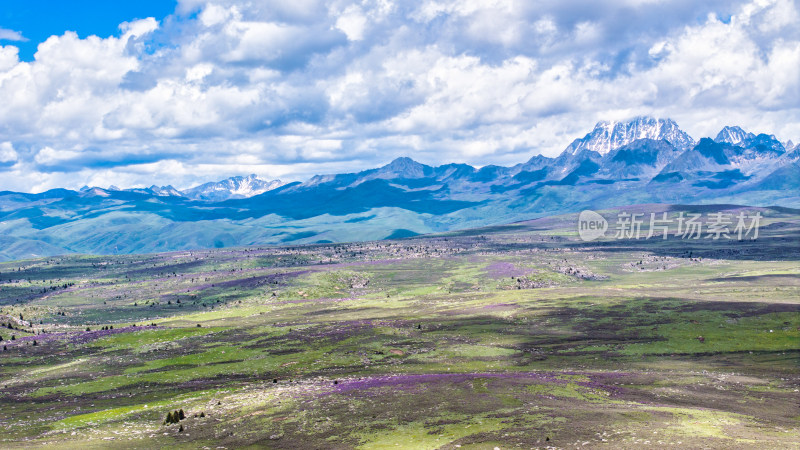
636, 162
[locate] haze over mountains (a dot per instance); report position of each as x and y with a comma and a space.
644, 160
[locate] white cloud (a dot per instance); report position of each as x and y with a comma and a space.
214, 14
49, 156
303, 87
138, 28
8, 57
352, 22
11, 35
7, 153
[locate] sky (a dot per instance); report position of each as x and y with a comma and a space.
157, 92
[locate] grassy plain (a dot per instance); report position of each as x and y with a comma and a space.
520, 336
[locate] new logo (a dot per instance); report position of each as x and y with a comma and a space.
591, 225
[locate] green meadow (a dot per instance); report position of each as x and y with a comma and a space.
521, 336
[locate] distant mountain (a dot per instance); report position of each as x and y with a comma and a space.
608, 136
231, 188
719, 164
158, 191
645, 160
640, 158
733, 135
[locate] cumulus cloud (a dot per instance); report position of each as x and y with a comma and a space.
7, 153
290, 89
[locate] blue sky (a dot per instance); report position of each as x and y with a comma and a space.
36, 20
196, 90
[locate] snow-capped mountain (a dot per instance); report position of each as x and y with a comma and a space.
733, 135
752, 155
232, 188
616, 164
608, 136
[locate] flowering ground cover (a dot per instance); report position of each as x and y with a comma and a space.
519, 336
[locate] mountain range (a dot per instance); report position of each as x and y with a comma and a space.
644, 160
234, 187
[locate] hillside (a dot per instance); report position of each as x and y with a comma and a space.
643, 161
510, 336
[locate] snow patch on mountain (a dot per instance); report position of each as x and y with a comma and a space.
232, 188
608, 136
733, 135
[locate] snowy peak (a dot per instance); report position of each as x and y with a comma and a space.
608, 136
231, 188
733, 136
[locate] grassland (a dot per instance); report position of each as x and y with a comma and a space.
518, 336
